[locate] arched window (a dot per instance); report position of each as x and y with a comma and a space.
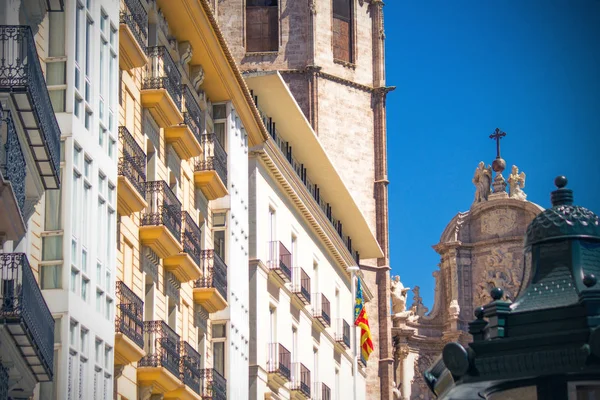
342, 31
262, 25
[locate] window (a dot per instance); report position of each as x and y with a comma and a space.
107, 357
73, 334
85, 284
98, 352
53, 216
342, 30
219, 336
98, 301
262, 25
219, 225
74, 276
51, 276
83, 340
52, 247
108, 309
56, 61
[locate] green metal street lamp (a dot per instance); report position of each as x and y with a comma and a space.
545, 345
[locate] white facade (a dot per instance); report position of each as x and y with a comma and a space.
235, 316
78, 266
278, 316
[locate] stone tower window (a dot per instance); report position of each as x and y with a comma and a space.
262, 25
342, 30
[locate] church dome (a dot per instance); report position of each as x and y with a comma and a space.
563, 220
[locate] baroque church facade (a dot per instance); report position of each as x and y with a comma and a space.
479, 249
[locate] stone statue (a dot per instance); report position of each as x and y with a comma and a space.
516, 183
398, 295
396, 391
454, 309
483, 181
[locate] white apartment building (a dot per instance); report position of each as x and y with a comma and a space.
29, 171
305, 231
78, 263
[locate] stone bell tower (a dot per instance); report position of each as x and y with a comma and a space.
331, 54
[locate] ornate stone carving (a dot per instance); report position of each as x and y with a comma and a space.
399, 294
454, 309
500, 270
197, 77
417, 307
516, 184
419, 389
185, 52
482, 180
498, 222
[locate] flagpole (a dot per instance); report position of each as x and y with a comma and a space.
353, 271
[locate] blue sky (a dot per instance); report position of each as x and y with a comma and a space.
463, 68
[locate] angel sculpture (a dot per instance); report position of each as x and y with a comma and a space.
482, 181
516, 184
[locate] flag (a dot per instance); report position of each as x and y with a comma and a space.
361, 320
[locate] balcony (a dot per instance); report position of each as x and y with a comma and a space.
300, 380
280, 260
131, 190
210, 173
322, 309
186, 265
190, 374
301, 285
215, 386
279, 363
210, 291
342, 333
129, 326
133, 35
160, 367
362, 361
186, 137
161, 221
12, 180
321, 391
25, 315
21, 76
161, 87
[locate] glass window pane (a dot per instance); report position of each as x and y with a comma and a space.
52, 216
219, 357
52, 248
51, 276
55, 73
56, 34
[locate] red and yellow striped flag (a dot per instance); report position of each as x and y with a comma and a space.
361, 320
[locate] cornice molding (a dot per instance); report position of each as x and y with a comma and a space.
286, 177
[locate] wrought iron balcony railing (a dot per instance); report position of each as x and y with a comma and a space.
279, 361
214, 272
301, 285
322, 309
215, 385
163, 208
21, 76
23, 308
130, 315
342, 332
162, 73
163, 347
280, 260
12, 161
300, 378
214, 157
191, 237
190, 368
193, 115
132, 163
134, 15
